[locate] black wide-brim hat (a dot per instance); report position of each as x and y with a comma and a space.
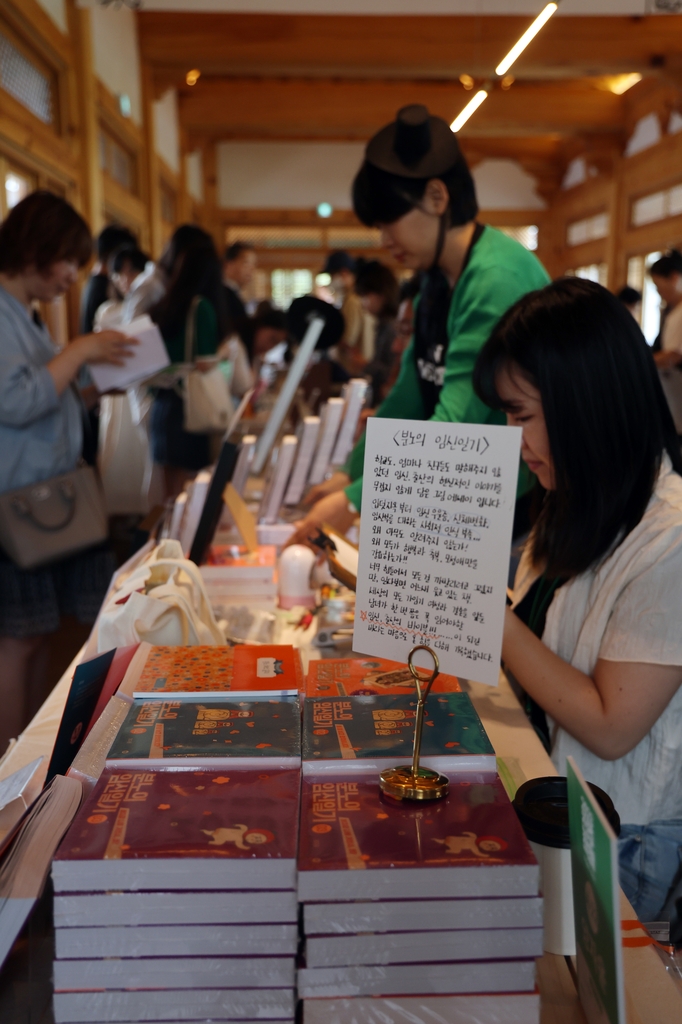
302, 310
415, 145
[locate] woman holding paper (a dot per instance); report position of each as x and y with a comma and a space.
594, 634
415, 186
43, 244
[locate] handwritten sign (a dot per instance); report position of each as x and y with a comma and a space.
435, 535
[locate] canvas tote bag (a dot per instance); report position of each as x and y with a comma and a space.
207, 405
53, 519
162, 601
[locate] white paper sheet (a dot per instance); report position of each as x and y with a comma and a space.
435, 535
146, 359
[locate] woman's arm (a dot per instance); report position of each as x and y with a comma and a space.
104, 347
608, 713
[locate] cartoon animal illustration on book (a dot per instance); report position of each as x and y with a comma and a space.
241, 835
469, 842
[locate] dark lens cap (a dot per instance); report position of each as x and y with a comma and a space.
542, 808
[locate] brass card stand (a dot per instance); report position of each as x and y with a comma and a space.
410, 782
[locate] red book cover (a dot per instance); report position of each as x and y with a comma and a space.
346, 677
273, 668
348, 826
186, 814
117, 670
239, 563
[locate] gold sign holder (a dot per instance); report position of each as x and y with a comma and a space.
410, 782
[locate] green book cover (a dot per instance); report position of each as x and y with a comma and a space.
343, 730
261, 730
594, 866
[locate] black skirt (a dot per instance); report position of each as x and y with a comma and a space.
32, 601
171, 444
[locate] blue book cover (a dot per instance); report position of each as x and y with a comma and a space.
348, 732
175, 731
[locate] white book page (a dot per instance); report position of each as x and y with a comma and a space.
146, 358
435, 537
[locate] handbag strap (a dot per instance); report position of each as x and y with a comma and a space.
191, 329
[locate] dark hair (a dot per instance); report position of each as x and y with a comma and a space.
127, 254
197, 271
267, 316
380, 197
234, 251
41, 230
607, 419
182, 239
377, 279
112, 237
668, 265
629, 296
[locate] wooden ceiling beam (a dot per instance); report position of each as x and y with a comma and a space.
325, 109
402, 46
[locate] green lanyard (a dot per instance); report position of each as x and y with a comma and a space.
541, 601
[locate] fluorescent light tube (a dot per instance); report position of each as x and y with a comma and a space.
530, 33
473, 104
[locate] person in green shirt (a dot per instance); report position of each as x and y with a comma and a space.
194, 300
416, 187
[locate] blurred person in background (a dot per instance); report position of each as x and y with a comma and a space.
379, 294
632, 300
356, 347
196, 273
239, 266
125, 266
666, 274
150, 286
97, 290
43, 245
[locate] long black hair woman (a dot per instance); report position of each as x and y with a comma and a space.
594, 636
196, 274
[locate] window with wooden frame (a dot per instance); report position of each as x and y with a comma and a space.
28, 78
117, 161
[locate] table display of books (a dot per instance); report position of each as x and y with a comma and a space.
185, 888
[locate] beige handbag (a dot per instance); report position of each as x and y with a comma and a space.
47, 521
206, 397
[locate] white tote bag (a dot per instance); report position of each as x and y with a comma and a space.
207, 404
163, 601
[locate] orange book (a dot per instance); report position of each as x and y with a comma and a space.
271, 669
230, 561
342, 677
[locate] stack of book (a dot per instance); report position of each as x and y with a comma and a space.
175, 896
433, 905
346, 677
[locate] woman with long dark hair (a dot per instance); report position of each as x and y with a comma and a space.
194, 302
594, 637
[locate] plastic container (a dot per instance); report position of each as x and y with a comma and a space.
542, 807
295, 566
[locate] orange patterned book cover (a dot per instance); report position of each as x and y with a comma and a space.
268, 669
356, 677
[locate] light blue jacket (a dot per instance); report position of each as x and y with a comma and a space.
41, 432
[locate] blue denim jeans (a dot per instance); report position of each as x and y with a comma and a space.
650, 862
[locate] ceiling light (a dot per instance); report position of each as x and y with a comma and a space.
467, 81
193, 76
621, 83
473, 105
507, 82
530, 33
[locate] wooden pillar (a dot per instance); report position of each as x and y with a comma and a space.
616, 257
150, 173
93, 194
